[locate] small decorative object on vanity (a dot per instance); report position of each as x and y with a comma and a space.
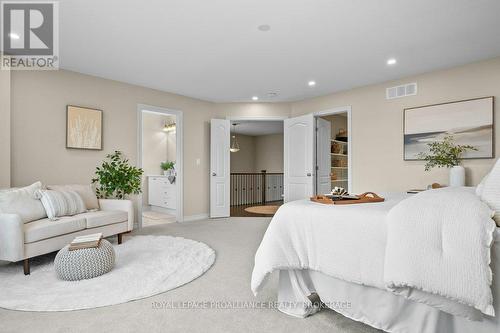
167, 167
446, 154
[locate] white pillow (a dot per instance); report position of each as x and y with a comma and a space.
61, 203
490, 193
85, 191
23, 202
480, 187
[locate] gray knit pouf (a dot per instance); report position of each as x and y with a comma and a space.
84, 263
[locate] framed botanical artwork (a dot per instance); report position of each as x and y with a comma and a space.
83, 128
469, 122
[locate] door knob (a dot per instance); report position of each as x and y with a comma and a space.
308, 174
214, 174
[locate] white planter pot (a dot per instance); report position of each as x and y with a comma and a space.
457, 176
166, 172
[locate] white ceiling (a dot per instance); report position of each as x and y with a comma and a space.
256, 128
213, 50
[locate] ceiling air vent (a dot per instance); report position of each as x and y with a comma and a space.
401, 91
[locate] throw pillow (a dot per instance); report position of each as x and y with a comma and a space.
480, 187
85, 191
23, 202
491, 191
61, 203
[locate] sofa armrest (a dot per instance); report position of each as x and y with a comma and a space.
118, 204
11, 237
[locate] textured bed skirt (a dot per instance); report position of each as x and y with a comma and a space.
375, 307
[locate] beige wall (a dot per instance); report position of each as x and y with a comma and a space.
39, 100
154, 142
257, 153
257, 110
269, 153
377, 125
244, 160
4, 128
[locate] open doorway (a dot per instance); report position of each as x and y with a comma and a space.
333, 162
256, 167
160, 156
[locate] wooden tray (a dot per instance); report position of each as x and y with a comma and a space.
366, 197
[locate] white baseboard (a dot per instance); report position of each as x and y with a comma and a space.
196, 217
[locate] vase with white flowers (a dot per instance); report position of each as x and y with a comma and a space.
446, 154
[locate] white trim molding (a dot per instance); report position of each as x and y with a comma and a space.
179, 162
348, 110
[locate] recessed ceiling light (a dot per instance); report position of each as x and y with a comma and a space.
255, 98
13, 35
264, 27
391, 61
311, 83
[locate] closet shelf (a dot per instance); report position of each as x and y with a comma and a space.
343, 155
338, 141
339, 180
339, 167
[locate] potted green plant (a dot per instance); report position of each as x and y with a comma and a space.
167, 167
116, 178
447, 154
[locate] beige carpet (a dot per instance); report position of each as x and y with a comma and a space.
151, 214
235, 241
262, 209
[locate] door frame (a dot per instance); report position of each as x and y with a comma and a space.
179, 156
328, 112
256, 118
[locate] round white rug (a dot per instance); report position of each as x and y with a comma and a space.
145, 266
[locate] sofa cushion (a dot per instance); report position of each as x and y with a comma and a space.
85, 191
45, 228
23, 202
104, 217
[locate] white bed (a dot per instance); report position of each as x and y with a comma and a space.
349, 278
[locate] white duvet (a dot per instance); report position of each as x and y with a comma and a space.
414, 247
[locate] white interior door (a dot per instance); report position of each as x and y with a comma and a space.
299, 157
323, 156
219, 168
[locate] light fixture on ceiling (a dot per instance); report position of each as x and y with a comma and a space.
311, 83
235, 147
264, 27
255, 98
169, 127
391, 61
13, 35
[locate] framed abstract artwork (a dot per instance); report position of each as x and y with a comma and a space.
83, 128
470, 122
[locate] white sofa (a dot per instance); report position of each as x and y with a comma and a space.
21, 241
